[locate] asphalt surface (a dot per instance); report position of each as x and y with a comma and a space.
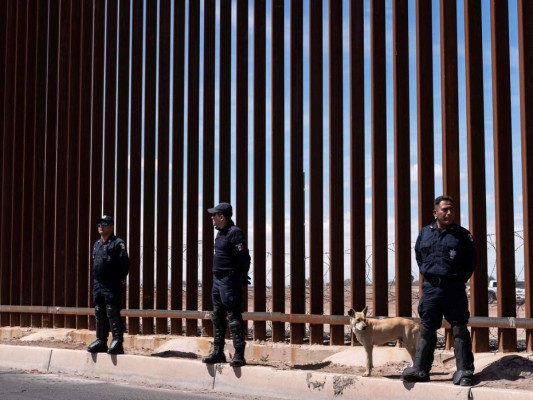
20, 385
178, 367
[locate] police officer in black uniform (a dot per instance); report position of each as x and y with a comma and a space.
110, 268
231, 262
446, 256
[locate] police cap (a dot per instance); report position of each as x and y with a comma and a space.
222, 208
105, 220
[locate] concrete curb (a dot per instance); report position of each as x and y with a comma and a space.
21, 357
257, 380
131, 368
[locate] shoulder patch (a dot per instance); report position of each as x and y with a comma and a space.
240, 247
122, 246
470, 237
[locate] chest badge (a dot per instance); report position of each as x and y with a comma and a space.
453, 253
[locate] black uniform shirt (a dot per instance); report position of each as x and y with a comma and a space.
447, 252
231, 252
110, 261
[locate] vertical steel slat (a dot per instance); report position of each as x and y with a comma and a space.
178, 167
28, 172
3, 67
110, 107
163, 164
134, 223
123, 97
278, 167
426, 141
7, 158
84, 164
297, 239
225, 102
98, 107
18, 154
357, 155
425, 126
123, 84
62, 159
379, 158
71, 250
475, 119
259, 172
97, 124
241, 123
192, 164
149, 165
208, 168
336, 186
39, 161
503, 172
98, 113
49, 220
18, 159
450, 110
525, 40
402, 164
316, 169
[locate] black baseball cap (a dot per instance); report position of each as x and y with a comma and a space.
105, 220
222, 208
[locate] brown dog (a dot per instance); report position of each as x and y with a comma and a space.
371, 331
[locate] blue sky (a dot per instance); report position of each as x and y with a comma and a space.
487, 77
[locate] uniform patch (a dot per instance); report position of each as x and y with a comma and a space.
470, 237
452, 253
122, 246
240, 247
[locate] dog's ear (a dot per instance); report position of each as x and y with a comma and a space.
351, 312
365, 310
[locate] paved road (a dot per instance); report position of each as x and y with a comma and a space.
17, 385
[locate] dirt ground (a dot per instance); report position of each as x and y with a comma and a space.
513, 371
510, 372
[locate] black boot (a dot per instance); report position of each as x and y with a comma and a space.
464, 359
102, 331
217, 356
239, 343
419, 372
219, 331
116, 346
238, 358
98, 346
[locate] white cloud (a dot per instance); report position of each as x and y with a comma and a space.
438, 171
414, 172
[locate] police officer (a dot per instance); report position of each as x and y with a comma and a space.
445, 254
110, 268
231, 262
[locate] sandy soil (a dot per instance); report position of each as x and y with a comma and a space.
512, 371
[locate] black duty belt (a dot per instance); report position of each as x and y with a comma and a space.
224, 272
439, 280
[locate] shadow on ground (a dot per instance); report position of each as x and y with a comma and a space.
174, 353
510, 368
